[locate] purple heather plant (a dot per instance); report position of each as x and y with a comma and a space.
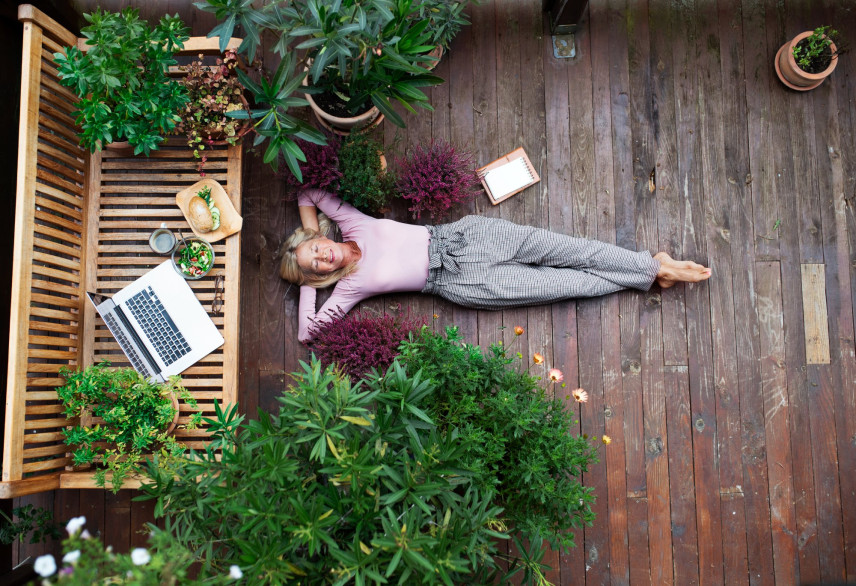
321, 169
435, 178
361, 341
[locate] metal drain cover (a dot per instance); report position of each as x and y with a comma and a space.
564, 47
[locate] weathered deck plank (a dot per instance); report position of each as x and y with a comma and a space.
731, 458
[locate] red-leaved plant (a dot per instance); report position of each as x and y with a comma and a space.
435, 178
321, 169
361, 341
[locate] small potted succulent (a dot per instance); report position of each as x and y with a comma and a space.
130, 416
366, 183
122, 79
809, 58
434, 178
214, 91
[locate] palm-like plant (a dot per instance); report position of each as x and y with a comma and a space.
366, 53
273, 123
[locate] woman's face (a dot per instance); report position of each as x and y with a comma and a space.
321, 256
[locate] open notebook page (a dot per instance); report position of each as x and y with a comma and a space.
508, 178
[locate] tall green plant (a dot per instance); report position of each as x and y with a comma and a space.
122, 79
366, 52
347, 483
521, 437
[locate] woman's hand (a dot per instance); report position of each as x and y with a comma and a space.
309, 217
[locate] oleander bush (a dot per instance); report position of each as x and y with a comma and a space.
346, 483
521, 441
361, 341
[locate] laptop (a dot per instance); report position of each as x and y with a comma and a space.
159, 323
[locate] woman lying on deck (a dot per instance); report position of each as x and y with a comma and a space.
482, 263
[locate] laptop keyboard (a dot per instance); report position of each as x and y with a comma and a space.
132, 355
158, 325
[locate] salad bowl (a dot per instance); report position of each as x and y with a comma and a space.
193, 258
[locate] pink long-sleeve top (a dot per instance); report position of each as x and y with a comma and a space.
394, 258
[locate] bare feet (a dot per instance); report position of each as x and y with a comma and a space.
675, 271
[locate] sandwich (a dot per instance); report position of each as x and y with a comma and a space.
203, 215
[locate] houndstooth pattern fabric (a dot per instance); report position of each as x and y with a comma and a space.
489, 263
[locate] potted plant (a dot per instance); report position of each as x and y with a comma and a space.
445, 19
365, 182
213, 92
435, 178
360, 55
809, 58
122, 79
131, 416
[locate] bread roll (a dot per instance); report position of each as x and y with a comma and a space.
199, 214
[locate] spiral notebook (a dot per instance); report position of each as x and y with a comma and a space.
508, 175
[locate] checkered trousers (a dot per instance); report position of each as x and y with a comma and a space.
488, 263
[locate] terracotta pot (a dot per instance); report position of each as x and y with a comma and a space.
122, 148
343, 126
790, 73
437, 53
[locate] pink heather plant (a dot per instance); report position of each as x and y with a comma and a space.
321, 169
361, 341
434, 179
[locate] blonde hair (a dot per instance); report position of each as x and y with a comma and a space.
291, 271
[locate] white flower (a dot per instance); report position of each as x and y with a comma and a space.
45, 565
235, 573
75, 525
140, 557
71, 557
85, 534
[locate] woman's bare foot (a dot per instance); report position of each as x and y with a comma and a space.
675, 271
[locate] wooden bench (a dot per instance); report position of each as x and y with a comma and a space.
82, 224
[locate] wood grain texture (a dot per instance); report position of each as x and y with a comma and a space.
815, 316
731, 457
59, 257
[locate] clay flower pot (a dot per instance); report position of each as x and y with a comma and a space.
791, 74
437, 52
343, 126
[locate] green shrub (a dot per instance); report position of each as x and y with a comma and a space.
133, 416
347, 483
521, 438
364, 183
122, 80
27, 520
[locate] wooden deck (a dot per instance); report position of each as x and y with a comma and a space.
731, 404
